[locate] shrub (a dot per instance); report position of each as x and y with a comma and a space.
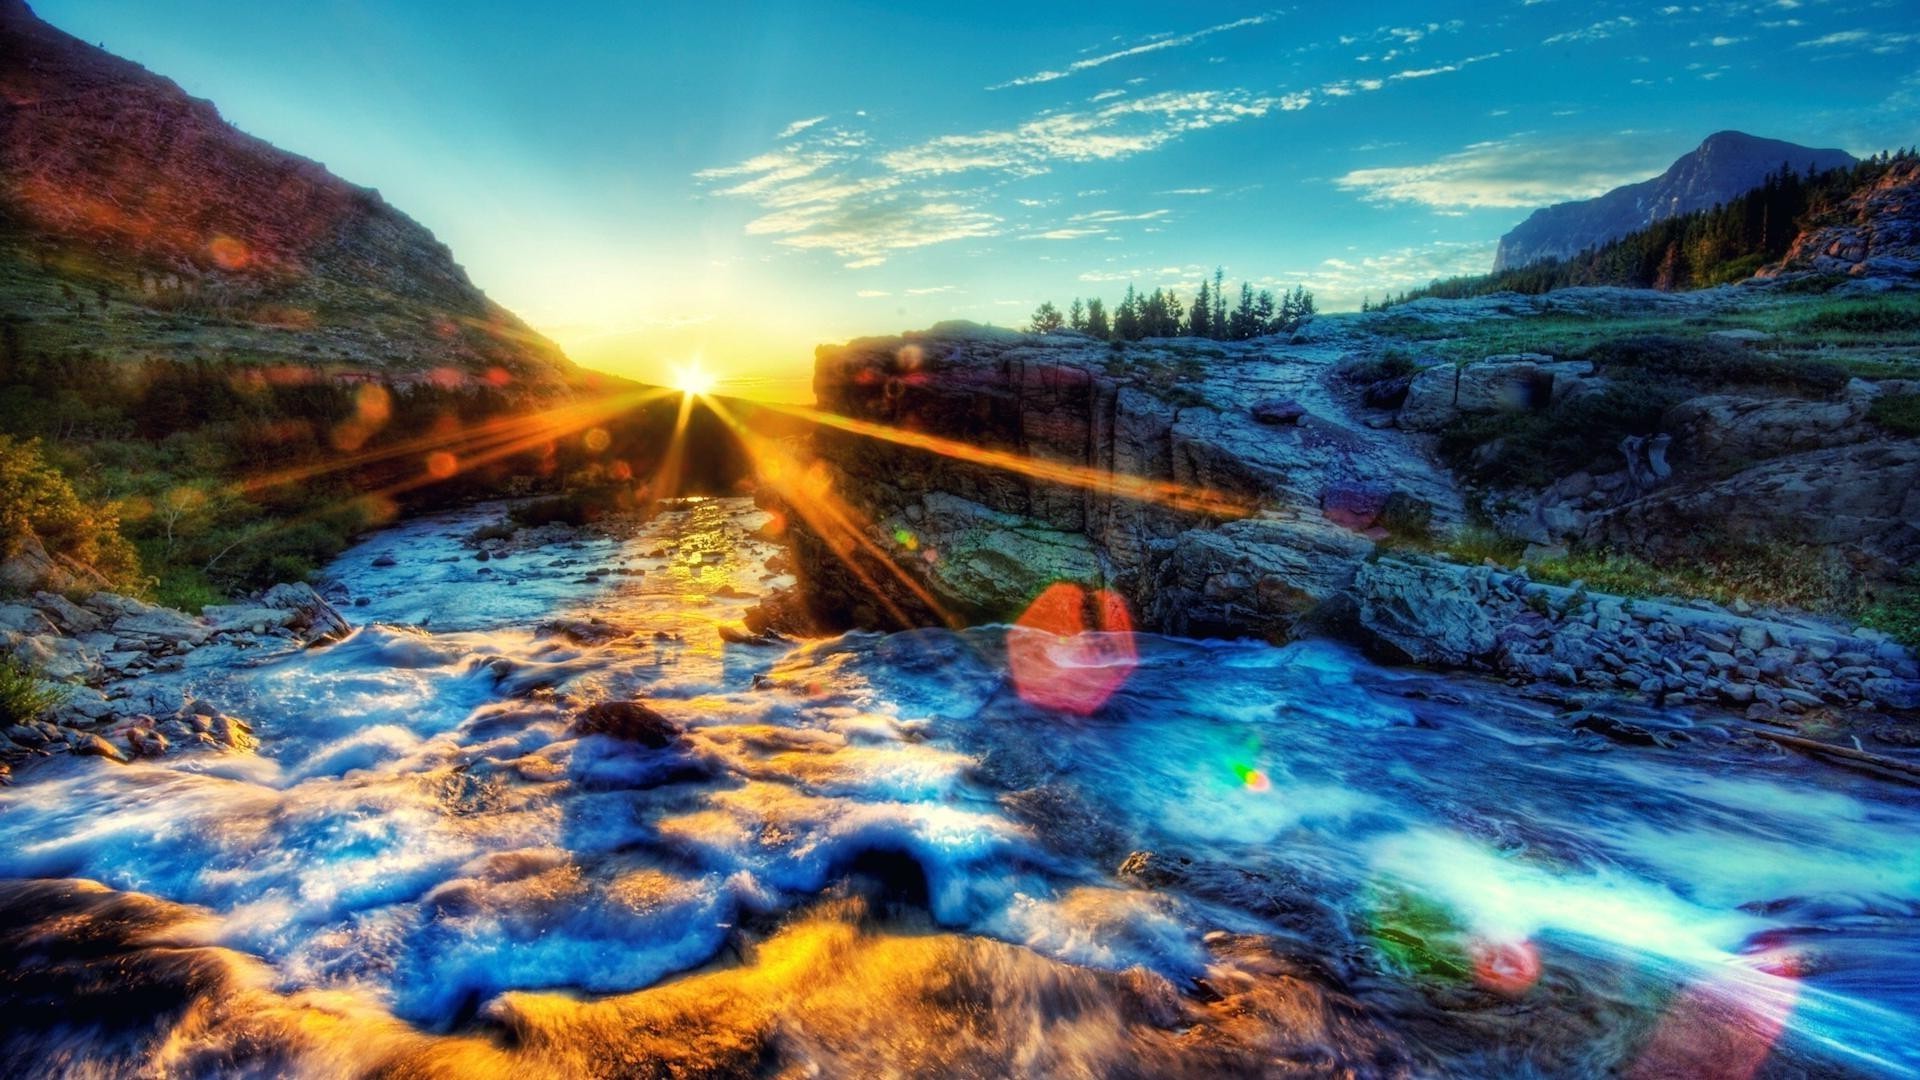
1710, 365
1898, 613
36, 500
1391, 364
1897, 413
24, 697
1535, 448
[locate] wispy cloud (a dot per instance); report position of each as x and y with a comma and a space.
1152, 44
1516, 172
1888, 42
799, 126
1605, 28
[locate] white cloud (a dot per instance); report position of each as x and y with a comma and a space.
931, 290
1605, 28
1153, 44
799, 126
1515, 172
868, 294
1841, 37
1187, 191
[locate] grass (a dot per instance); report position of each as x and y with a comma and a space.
24, 697
1873, 337
1899, 414
1767, 575
1897, 613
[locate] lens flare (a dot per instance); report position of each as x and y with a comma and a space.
693, 380
1057, 659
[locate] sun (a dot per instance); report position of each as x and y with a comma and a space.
692, 379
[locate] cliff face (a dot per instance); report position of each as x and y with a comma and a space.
1728, 163
1263, 497
118, 189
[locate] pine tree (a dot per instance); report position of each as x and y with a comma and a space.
1126, 321
1097, 324
1046, 318
1240, 324
1077, 315
1219, 320
1200, 320
1263, 319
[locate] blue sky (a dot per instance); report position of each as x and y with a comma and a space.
648, 184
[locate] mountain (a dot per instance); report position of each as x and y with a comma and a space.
136, 223
1727, 164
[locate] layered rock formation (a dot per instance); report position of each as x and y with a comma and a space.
1257, 514
1728, 163
123, 197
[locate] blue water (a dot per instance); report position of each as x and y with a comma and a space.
1505, 896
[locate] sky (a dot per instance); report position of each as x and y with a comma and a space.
730, 184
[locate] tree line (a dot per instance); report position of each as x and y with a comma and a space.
1162, 313
1723, 244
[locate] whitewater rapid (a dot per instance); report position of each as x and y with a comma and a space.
1239, 858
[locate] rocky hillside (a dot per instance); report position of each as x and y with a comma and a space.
1727, 164
1288, 487
1874, 231
135, 222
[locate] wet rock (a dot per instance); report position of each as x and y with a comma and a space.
1153, 871
383, 560
95, 746
1619, 731
629, 721
1279, 411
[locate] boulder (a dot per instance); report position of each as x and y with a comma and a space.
1720, 430
1429, 403
629, 721
253, 618
1423, 614
1279, 411
315, 618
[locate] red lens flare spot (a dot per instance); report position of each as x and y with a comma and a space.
441, 464
620, 471
498, 376
228, 253
1257, 781
596, 440
1505, 967
1055, 659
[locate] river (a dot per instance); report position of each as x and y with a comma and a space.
989, 852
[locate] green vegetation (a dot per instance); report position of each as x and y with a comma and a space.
1898, 613
1772, 575
1899, 414
37, 501
1724, 244
22, 696
188, 481
1390, 364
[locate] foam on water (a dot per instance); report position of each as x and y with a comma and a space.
420, 829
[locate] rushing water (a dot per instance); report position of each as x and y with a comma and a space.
878, 856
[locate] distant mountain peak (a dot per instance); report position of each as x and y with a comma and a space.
1724, 165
